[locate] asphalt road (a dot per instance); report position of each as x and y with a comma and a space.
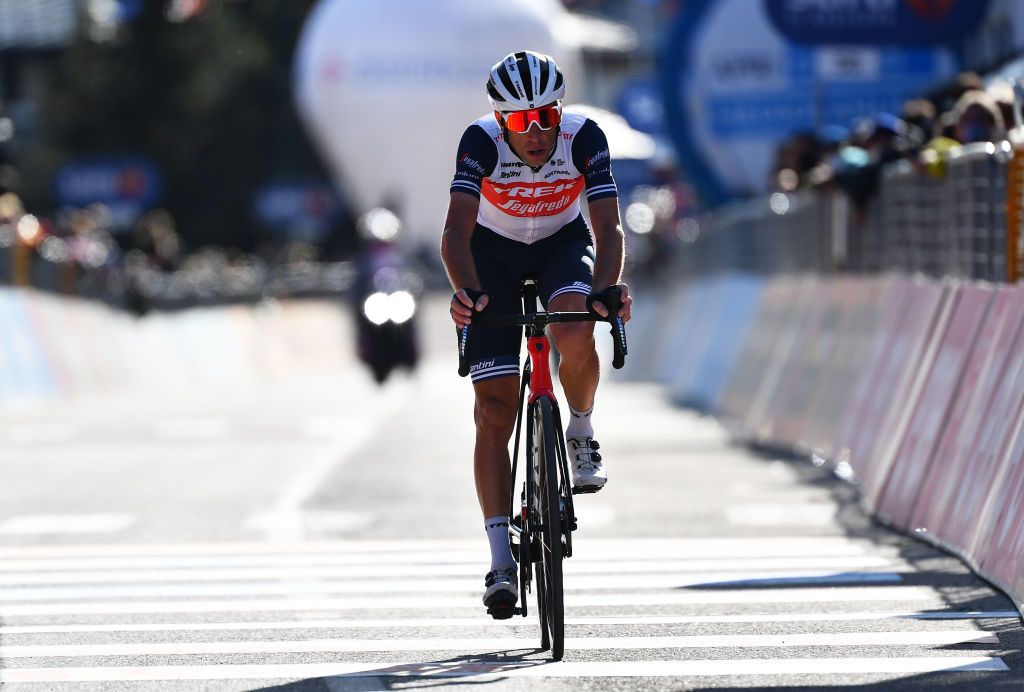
323, 534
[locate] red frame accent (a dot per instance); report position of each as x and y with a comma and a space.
540, 374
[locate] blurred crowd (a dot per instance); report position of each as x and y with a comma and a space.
924, 132
80, 252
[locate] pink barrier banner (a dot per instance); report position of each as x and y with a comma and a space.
880, 415
913, 460
999, 550
965, 463
774, 401
864, 402
755, 356
808, 369
860, 305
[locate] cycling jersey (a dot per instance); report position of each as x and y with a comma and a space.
524, 204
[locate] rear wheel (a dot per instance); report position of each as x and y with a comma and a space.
545, 473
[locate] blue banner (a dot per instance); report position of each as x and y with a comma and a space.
876, 22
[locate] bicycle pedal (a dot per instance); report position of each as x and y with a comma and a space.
586, 489
502, 610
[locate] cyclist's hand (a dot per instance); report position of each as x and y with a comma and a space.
602, 310
463, 307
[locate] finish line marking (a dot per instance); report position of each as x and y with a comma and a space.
514, 622
717, 641
864, 594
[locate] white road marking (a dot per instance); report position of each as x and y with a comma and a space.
792, 514
626, 548
313, 585
586, 562
298, 570
67, 524
478, 622
723, 641
534, 669
37, 433
862, 594
191, 428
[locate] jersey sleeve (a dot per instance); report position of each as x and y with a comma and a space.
477, 157
590, 155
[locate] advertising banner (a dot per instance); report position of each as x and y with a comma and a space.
860, 307
966, 463
797, 65
126, 185
898, 386
915, 456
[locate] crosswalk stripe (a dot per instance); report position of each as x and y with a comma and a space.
442, 622
44, 524
488, 671
132, 570
452, 585
895, 594
622, 547
732, 641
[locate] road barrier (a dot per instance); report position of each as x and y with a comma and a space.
58, 346
913, 388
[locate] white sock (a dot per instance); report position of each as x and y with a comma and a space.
579, 423
497, 536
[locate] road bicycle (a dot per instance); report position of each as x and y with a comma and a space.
541, 532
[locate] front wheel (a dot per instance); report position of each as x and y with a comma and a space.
545, 475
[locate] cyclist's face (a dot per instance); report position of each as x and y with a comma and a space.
535, 145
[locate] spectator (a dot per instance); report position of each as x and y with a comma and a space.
978, 118
1002, 92
919, 115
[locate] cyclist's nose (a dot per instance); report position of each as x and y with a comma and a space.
535, 135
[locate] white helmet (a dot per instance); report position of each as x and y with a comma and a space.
525, 80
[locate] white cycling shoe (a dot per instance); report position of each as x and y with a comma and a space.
502, 592
588, 474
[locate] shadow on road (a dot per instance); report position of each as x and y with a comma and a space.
457, 670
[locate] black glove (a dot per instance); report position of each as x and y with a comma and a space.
610, 297
472, 293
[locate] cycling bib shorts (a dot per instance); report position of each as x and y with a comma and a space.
561, 263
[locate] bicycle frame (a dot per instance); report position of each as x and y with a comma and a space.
535, 533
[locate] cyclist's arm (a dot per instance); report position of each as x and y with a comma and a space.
476, 160
455, 252
610, 241
592, 158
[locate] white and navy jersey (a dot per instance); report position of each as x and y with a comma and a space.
528, 205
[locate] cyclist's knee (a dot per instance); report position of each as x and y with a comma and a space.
495, 414
575, 341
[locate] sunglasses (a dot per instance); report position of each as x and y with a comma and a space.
546, 117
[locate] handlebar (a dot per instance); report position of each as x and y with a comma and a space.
539, 320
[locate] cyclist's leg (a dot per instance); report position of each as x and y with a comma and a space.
494, 369
564, 285
495, 414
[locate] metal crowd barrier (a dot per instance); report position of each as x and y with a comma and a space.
965, 223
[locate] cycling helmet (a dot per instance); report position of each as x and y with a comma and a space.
525, 80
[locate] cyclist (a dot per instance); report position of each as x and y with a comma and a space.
515, 212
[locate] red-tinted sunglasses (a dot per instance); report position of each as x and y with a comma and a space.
546, 117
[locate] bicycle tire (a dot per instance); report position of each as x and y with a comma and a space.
549, 593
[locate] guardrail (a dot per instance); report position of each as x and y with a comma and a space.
962, 219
